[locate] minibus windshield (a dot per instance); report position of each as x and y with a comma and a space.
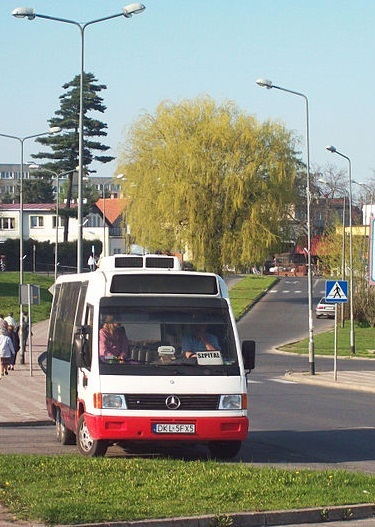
148, 338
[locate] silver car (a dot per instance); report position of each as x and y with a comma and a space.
325, 309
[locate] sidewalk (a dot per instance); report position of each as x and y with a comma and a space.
363, 381
22, 391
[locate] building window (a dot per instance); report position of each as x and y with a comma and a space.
7, 189
61, 222
7, 224
36, 221
7, 175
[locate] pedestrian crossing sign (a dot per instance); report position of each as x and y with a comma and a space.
336, 291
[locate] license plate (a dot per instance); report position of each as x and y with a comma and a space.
173, 428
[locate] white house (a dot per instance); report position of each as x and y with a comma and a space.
39, 223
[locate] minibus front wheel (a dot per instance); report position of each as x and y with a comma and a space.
88, 446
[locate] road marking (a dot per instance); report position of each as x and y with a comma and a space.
286, 291
282, 381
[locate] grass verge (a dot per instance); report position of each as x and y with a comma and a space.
9, 296
324, 343
247, 291
72, 489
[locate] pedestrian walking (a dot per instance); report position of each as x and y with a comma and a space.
6, 348
13, 333
25, 329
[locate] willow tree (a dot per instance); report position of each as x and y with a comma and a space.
208, 180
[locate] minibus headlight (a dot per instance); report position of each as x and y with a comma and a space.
113, 400
230, 402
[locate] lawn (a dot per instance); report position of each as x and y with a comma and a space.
9, 296
247, 291
71, 489
324, 342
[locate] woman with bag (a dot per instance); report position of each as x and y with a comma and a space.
6, 348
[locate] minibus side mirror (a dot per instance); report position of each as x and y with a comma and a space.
82, 347
42, 361
248, 354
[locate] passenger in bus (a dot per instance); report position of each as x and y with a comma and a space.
113, 342
199, 339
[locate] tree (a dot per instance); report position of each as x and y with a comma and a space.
65, 154
329, 191
332, 249
209, 180
38, 191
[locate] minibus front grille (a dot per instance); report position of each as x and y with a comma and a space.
172, 402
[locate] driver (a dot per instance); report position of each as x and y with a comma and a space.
199, 339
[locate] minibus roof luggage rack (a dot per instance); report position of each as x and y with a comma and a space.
134, 261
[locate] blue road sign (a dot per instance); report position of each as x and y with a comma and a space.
336, 291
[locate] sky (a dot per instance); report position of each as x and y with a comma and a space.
181, 49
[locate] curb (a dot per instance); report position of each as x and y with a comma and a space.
257, 298
13, 424
306, 378
242, 519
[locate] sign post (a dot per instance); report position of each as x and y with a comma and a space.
371, 274
336, 293
29, 294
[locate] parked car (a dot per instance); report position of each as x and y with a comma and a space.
325, 309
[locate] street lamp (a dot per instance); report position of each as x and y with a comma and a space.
102, 185
21, 140
264, 83
123, 178
57, 177
127, 12
334, 150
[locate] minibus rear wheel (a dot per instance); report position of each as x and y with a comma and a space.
63, 434
88, 446
224, 449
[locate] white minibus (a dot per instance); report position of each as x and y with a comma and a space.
127, 360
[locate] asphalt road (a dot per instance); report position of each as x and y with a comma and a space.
297, 425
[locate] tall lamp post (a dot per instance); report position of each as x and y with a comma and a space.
103, 219
334, 150
127, 12
21, 141
264, 83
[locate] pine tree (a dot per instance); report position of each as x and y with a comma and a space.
64, 146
